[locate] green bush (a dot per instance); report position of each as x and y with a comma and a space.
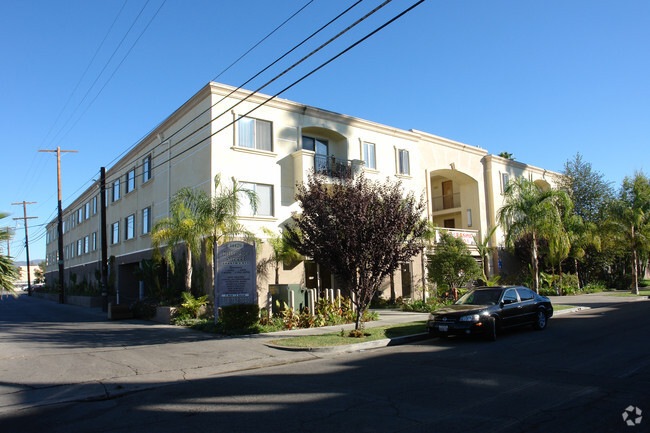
190, 307
240, 316
143, 309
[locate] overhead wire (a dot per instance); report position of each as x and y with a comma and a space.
313, 52
119, 45
115, 70
322, 65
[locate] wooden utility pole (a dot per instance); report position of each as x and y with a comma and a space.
60, 219
25, 218
104, 257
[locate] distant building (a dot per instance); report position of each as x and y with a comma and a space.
270, 151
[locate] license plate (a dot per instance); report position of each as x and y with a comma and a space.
443, 328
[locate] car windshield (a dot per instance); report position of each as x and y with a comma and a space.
480, 297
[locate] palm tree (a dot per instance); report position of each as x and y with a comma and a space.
581, 236
633, 228
529, 211
187, 224
484, 250
8, 271
281, 251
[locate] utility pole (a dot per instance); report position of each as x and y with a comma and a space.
25, 218
104, 259
60, 218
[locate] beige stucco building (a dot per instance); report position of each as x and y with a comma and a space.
270, 150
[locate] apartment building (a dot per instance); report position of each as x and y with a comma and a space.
270, 150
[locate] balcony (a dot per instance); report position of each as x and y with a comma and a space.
466, 235
444, 202
335, 168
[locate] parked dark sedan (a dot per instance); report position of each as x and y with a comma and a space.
486, 310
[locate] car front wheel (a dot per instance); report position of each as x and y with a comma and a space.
541, 320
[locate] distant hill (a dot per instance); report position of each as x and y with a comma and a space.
31, 262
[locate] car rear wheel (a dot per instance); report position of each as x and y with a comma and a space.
540, 320
491, 329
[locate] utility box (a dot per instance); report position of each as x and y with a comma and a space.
281, 293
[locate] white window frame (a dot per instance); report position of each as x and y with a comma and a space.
370, 158
146, 220
93, 241
505, 178
129, 227
130, 181
86, 245
255, 141
116, 191
115, 233
255, 213
403, 169
146, 169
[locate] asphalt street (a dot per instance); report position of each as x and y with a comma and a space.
580, 374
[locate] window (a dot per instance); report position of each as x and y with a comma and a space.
146, 169
510, 296
72, 246
369, 155
115, 232
525, 294
129, 227
87, 211
67, 252
255, 134
79, 247
74, 220
403, 162
86, 245
93, 241
130, 181
80, 215
264, 196
116, 190
146, 220
504, 182
94, 205
317, 145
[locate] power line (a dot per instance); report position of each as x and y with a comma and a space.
323, 45
292, 84
101, 44
262, 40
240, 86
115, 70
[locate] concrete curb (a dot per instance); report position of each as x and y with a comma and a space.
356, 346
569, 310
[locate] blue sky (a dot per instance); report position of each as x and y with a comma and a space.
542, 80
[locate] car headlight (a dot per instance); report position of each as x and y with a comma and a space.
470, 318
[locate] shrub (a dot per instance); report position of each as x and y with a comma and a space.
240, 316
143, 309
189, 309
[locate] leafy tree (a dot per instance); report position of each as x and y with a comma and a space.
507, 155
587, 188
452, 264
359, 229
281, 251
582, 235
529, 211
39, 273
631, 218
8, 270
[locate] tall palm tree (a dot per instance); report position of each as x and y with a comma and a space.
529, 211
633, 228
8, 271
187, 225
